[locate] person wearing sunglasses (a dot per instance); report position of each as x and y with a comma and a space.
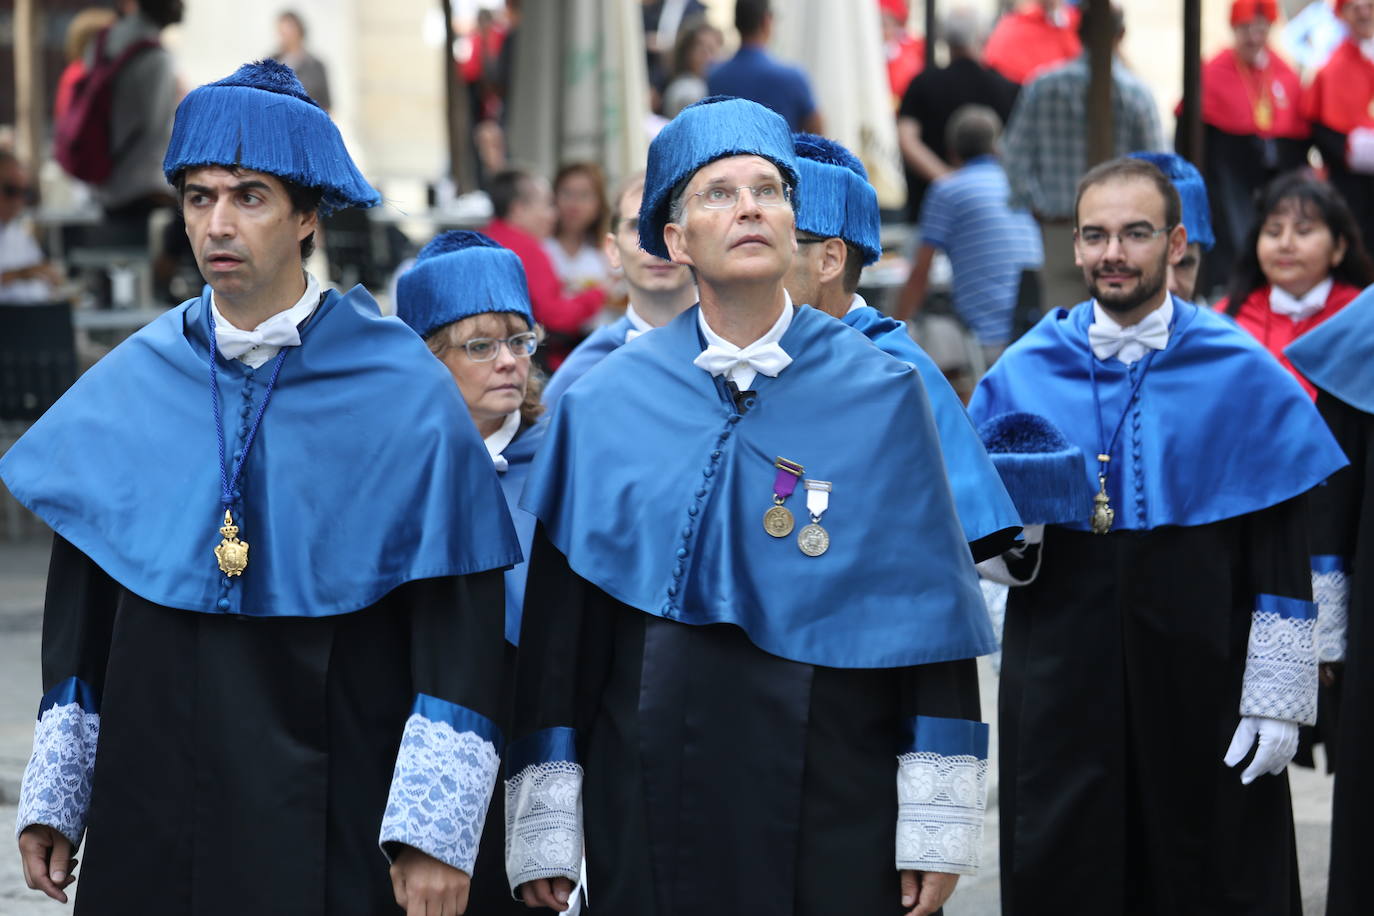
25, 274
466, 296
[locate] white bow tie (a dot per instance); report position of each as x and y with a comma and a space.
1128, 344
768, 359
277, 331
1282, 303
632, 333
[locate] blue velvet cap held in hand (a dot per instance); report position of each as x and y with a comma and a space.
459, 274
840, 203
261, 118
714, 128
1041, 469
1197, 215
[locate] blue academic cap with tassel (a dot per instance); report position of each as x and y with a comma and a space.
1043, 472
261, 118
839, 201
459, 274
1192, 191
714, 128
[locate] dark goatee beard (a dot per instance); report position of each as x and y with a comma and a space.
1146, 289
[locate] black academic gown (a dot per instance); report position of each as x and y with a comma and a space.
1122, 668
1343, 522
244, 764
721, 779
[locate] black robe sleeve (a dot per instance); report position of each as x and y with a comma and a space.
1335, 520
78, 623
449, 755
1280, 680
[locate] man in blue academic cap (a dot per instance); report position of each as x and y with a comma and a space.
838, 228
750, 602
272, 639
1197, 219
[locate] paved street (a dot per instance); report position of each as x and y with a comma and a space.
22, 569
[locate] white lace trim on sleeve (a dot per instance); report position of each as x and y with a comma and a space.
440, 791
940, 805
544, 822
1281, 668
1331, 591
56, 789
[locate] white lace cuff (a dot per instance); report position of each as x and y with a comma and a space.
443, 783
942, 790
1281, 661
544, 811
56, 790
1331, 592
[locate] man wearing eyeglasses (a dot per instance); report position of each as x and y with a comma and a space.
750, 602
25, 274
1159, 653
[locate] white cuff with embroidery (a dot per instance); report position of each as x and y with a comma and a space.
441, 789
544, 822
1281, 661
1331, 592
56, 790
941, 797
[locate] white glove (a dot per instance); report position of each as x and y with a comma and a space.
1278, 742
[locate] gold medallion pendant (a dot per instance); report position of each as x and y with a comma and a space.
778, 521
232, 553
1103, 513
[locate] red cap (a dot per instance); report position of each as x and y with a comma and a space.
897, 9
1243, 11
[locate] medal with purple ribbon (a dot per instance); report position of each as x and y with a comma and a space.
778, 521
813, 539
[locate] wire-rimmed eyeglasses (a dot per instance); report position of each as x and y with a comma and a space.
767, 194
484, 349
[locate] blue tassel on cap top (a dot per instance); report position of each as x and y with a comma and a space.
459, 274
714, 128
1192, 191
260, 118
1043, 472
840, 203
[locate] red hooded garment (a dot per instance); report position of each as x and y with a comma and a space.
1276, 331
1235, 97
1026, 41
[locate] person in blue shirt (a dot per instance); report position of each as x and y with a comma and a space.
756, 75
272, 635
838, 231
750, 603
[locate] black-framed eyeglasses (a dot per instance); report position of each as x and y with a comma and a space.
767, 194
484, 349
1134, 237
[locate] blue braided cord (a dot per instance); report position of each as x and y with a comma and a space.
227, 482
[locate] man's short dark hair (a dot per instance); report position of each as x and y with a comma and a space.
972, 132
749, 16
303, 200
294, 18
505, 189
1128, 169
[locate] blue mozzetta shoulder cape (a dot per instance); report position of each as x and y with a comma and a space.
1338, 355
519, 456
655, 490
979, 496
1220, 429
585, 355
366, 473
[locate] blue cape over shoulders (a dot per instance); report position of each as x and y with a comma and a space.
1220, 428
982, 501
519, 455
655, 490
366, 473
585, 355
1338, 355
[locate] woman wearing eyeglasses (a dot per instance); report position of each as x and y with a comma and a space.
1301, 263
466, 296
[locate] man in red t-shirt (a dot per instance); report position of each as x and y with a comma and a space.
523, 215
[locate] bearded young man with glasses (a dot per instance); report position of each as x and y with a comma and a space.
1167, 637
725, 698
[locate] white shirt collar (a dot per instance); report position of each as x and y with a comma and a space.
637, 323
743, 374
297, 314
1311, 302
1157, 322
496, 443
856, 303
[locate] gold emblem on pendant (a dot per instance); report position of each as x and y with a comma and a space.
231, 552
778, 521
1103, 514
